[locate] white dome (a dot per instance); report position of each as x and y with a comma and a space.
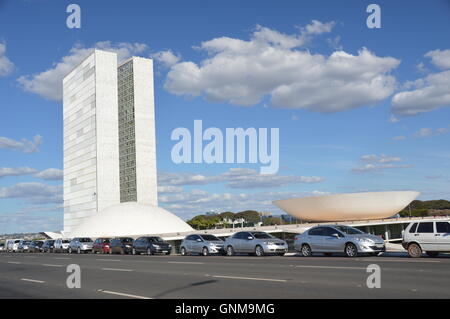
130, 219
344, 207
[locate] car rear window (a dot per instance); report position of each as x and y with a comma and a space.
425, 227
413, 228
443, 227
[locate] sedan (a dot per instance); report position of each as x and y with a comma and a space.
257, 243
203, 244
338, 239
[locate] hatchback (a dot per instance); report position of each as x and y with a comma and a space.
151, 245
80, 245
48, 246
121, 245
101, 246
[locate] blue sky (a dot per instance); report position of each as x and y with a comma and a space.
358, 109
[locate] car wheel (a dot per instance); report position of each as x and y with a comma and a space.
350, 250
230, 251
432, 253
414, 251
183, 251
306, 250
259, 251
205, 251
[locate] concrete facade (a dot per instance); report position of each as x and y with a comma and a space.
109, 136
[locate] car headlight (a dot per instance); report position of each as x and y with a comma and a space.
156, 246
365, 240
269, 243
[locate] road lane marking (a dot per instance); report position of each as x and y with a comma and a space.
123, 294
14, 262
117, 269
30, 256
51, 265
33, 280
403, 260
247, 278
185, 262
109, 259
330, 267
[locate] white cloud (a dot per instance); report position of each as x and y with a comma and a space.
169, 189
270, 64
48, 84
235, 178
375, 162
6, 66
399, 138
440, 58
427, 132
36, 193
393, 119
167, 58
17, 171
23, 145
50, 174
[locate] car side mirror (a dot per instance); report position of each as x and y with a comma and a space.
335, 235
199, 240
250, 238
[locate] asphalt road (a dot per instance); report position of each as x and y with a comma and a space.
125, 276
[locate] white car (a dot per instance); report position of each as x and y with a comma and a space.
429, 236
61, 245
12, 245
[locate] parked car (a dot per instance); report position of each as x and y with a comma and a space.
151, 245
80, 245
101, 246
24, 246
36, 246
48, 246
121, 245
204, 244
255, 242
12, 245
2, 247
61, 245
429, 236
338, 239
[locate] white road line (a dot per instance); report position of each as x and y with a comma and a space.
32, 280
14, 262
185, 262
117, 269
247, 278
330, 267
61, 258
109, 259
403, 260
123, 294
51, 265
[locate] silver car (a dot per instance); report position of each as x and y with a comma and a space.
338, 239
255, 242
204, 244
61, 245
24, 246
80, 245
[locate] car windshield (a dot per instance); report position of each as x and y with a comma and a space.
66, 241
349, 230
261, 235
156, 239
127, 240
210, 238
85, 240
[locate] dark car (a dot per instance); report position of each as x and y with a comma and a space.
48, 246
121, 245
101, 245
151, 245
36, 246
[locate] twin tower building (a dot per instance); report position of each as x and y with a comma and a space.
109, 136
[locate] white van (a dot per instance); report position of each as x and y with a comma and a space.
429, 236
12, 245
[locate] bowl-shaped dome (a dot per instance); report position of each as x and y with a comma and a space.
130, 219
345, 207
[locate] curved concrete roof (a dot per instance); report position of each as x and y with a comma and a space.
344, 207
130, 219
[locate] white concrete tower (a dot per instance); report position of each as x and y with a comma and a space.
91, 149
137, 143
